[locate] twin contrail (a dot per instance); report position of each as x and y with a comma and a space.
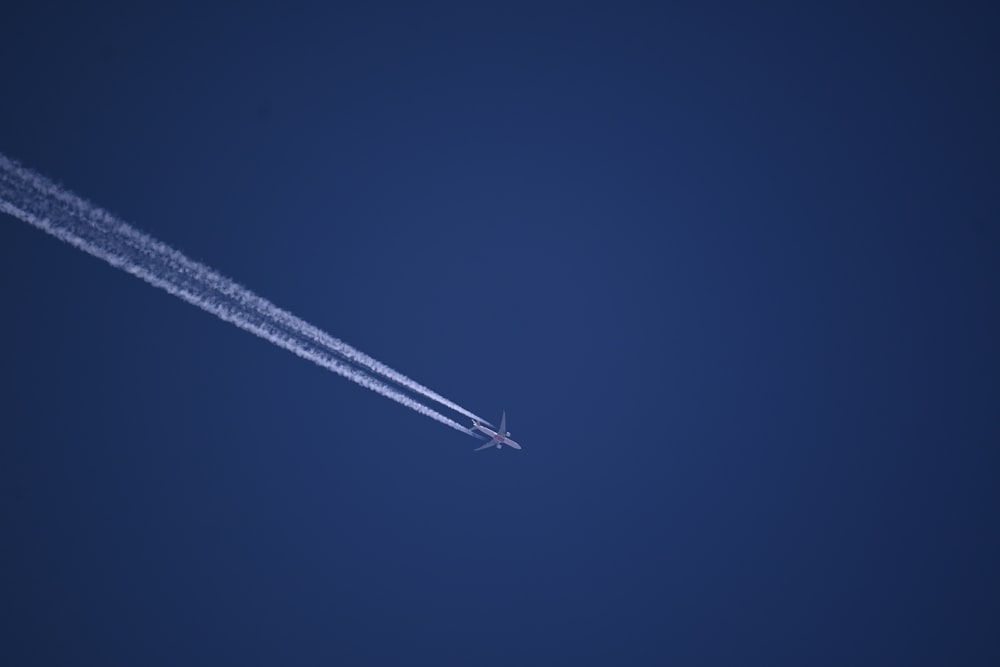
43, 204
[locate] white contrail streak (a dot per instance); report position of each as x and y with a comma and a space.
177, 261
37, 209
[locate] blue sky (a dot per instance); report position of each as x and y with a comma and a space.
730, 272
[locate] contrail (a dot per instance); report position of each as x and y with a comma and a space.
178, 262
22, 199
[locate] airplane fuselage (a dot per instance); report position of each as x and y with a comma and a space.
489, 432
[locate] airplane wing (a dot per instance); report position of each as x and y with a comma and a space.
487, 445
503, 424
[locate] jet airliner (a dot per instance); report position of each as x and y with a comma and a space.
498, 438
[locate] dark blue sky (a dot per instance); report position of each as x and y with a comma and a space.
731, 273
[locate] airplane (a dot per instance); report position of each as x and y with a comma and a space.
498, 438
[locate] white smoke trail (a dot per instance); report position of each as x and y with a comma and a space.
105, 246
177, 261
